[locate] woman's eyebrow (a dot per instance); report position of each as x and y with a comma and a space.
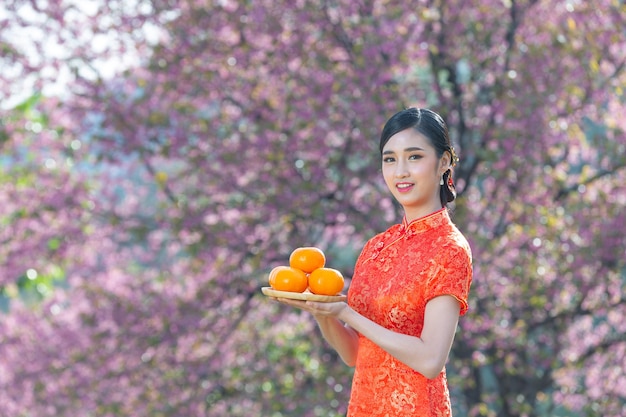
411, 149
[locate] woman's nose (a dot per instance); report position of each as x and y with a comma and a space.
401, 170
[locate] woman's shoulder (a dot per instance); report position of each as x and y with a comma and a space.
458, 239
455, 243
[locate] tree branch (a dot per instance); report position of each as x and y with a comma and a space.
566, 191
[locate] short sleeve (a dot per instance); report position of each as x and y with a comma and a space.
452, 275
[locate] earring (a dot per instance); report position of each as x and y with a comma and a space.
441, 181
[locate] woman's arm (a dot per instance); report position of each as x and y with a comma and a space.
341, 337
426, 354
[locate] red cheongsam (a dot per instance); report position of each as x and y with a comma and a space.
396, 274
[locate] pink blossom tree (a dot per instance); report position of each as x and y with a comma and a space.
171, 153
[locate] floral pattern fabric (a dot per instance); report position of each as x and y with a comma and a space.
396, 274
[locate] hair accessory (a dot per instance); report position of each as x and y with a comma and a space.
453, 156
450, 182
441, 181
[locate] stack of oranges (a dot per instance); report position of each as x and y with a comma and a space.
307, 270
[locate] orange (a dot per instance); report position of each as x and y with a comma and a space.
326, 281
307, 259
285, 278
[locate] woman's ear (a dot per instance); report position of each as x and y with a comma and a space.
445, 163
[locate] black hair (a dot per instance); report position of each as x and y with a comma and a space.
434, 128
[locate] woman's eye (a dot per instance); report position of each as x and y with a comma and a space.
388, 159
415, 157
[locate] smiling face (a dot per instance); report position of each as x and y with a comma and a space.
412, 171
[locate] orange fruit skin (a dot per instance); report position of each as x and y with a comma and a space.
307, 259
285, 278
326, 281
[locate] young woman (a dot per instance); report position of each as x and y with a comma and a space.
410, 283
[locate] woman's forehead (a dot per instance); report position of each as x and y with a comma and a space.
407, 139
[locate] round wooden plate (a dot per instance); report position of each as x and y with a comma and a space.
303, 295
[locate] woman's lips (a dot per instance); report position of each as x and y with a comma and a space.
404, 187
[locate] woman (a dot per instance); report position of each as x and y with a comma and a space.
410, 283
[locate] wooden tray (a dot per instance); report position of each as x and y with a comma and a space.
303, 295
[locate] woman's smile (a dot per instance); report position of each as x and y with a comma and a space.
404, 187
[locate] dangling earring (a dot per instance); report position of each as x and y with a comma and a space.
441, 181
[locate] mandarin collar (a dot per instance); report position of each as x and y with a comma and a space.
425, 223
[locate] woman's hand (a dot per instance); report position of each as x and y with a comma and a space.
316, 308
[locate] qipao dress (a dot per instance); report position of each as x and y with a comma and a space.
396, 274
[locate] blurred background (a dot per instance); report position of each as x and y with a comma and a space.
159, 157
